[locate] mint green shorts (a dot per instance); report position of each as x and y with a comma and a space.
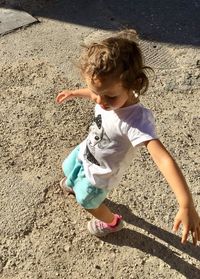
86, 194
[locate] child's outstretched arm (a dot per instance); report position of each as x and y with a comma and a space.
81, 93
187, 214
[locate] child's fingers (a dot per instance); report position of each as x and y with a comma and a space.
198, 233
176, 225
194, 237
61, 97
185, 234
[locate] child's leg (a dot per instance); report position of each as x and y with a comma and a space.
102, 213
90, 197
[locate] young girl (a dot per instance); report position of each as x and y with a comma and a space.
115, 75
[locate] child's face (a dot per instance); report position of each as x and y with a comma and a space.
110, 95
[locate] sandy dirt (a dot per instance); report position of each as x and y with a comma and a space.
42, 233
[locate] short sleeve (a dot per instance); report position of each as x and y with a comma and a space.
143, 129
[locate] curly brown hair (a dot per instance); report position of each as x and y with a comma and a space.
117, 58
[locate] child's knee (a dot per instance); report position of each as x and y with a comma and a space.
85, 203
91, 200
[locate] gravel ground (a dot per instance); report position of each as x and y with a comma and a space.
43, 234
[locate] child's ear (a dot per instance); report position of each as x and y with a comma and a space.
138, 84
139, 80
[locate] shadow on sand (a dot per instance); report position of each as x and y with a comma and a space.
170, 21
134, 239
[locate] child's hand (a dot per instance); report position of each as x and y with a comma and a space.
64, 95
81, 93
190, 221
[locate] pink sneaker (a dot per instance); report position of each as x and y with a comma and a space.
66, 189
100, 228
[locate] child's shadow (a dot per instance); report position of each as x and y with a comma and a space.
134, 239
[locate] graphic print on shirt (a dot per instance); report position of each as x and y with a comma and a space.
97, 138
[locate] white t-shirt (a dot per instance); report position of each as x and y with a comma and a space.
109, 147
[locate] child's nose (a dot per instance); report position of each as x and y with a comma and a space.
96, 98
101, 100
